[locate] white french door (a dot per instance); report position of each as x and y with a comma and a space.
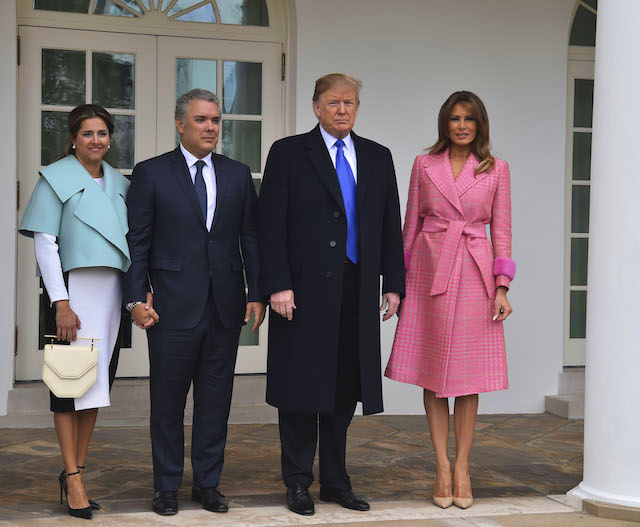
246, 78
136, 77
578, 170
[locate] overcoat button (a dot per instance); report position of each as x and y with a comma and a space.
332, 243
336, 214
328, 274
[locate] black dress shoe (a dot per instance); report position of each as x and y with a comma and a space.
299, 500
165, 503
346, 498
211, 498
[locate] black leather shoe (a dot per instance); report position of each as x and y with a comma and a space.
299, 500
211, 498
165, 503
346, 498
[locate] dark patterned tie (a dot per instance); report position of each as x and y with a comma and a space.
201, 188
349, 197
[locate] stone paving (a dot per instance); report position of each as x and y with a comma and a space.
390, 461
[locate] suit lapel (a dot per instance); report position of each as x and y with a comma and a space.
180, 170
320, 160
221, 185
441, 175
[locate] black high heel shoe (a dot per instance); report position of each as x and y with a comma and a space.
85, 513
93, 504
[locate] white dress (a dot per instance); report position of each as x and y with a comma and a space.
95, 296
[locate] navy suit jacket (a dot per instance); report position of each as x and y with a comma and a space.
171, 247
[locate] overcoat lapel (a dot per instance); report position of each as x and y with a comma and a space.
320, 160
442, 176
221, 185
181, 172
365, 163
467, 177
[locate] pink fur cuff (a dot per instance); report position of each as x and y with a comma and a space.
505, 266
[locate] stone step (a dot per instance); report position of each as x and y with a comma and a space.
28, 404
571, 381
570, 406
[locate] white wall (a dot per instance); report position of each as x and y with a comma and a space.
411, 54
8, 154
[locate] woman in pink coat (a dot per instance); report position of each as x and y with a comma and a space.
450, 338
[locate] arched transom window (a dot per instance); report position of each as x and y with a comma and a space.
236, 12
583, 29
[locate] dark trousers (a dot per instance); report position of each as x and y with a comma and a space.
299, 430
206, 356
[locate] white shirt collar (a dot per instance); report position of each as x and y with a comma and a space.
330, 141
191, 159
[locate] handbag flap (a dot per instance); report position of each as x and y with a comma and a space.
70, 362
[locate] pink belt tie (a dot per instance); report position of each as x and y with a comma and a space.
454, 231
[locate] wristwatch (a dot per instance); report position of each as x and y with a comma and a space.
131, 305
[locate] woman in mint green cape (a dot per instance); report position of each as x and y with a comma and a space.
78, 219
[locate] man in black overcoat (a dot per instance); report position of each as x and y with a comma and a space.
329, 227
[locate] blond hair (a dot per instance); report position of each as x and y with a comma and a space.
327, 82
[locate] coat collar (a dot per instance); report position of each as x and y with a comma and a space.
365, 166
97, 208
467, 177
441, 175
320, 159
321, 162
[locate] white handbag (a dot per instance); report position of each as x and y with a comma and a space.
69, 371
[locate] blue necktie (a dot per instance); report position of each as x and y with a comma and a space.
201, 189
349, 197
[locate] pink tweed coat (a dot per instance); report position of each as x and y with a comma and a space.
446, 340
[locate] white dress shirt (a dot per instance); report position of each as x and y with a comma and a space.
348, 149
209, 175
48, 258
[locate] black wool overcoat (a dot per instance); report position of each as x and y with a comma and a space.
302, 235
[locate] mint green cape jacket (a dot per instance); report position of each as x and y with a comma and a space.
89, 222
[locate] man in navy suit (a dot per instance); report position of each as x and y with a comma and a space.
192, 238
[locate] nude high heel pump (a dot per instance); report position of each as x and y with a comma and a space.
443, 503
462, 503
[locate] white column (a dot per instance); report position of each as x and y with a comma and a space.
8, 177
612, 393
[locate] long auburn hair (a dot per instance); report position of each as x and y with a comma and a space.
481, 145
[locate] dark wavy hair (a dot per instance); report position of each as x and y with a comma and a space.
79, 115
481, 145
